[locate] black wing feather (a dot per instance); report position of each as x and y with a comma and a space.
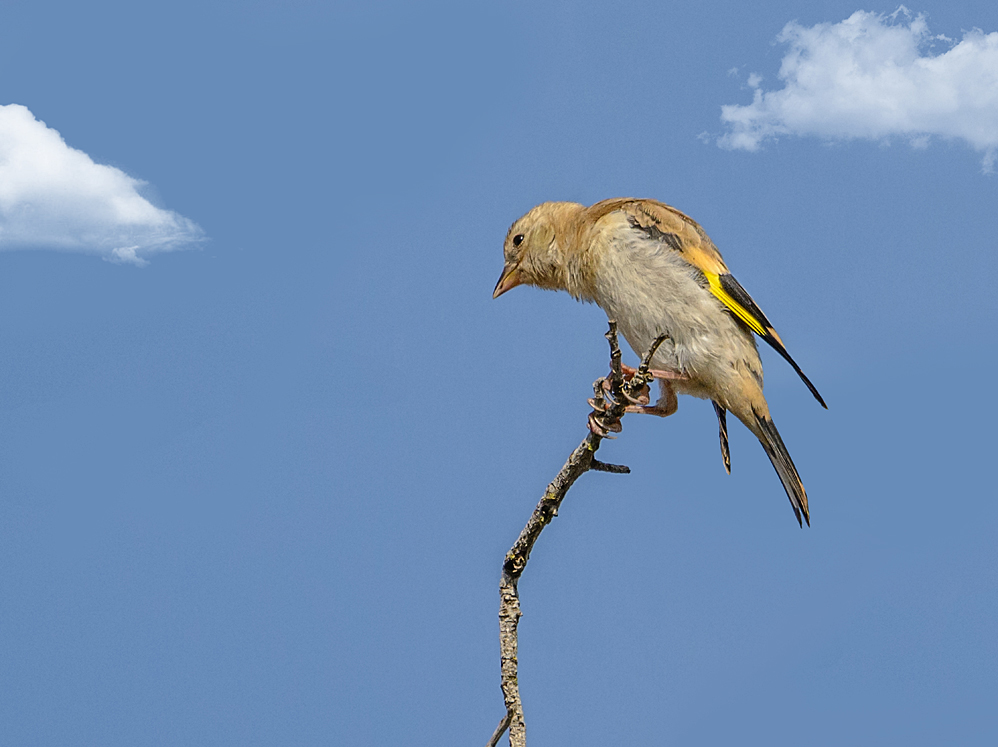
734, 289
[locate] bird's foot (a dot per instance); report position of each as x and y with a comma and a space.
603, 427
602, 421
660, 409
636, 395
626, 389
655, 373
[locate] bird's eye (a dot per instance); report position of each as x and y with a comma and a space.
518, 239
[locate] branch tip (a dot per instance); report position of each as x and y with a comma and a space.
616, 469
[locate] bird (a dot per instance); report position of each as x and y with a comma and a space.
655, 271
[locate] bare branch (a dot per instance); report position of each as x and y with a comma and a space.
609, 405
616, 469
500, 730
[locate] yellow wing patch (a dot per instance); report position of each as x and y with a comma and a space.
740, 311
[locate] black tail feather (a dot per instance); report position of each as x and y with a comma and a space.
784, 466
722, 428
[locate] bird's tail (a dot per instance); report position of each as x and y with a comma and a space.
770, 439
722, 429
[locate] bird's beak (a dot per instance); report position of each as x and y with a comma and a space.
510, 278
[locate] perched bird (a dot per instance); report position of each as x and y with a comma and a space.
655, 271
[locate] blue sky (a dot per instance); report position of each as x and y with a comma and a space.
265, 436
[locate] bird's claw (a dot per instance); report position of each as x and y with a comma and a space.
643, 396
602, 429
626, 389
625, 392
598, 404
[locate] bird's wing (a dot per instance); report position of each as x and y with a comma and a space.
664, 223
730, 292
685, 236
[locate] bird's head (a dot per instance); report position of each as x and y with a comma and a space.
536, 248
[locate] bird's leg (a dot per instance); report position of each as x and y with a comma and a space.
667, 403
655, 373
641, 396
627, 388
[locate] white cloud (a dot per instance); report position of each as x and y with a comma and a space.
875, 77
55, 197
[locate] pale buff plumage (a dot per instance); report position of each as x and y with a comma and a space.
654, 270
